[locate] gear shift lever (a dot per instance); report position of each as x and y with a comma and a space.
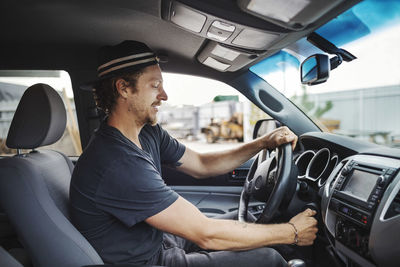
296, 263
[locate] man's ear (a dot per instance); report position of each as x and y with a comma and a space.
122, 87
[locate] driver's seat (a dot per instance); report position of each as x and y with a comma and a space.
34, 187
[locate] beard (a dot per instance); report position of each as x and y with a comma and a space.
145, 118
152, 121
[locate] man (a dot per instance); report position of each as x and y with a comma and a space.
121, 204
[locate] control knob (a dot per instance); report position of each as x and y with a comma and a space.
346, 170
381, 180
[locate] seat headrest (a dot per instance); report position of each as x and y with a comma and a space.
39, 120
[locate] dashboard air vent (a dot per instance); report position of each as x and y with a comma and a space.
394, 208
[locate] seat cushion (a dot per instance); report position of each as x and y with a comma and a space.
34, 192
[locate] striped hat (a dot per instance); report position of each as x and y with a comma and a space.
125, 57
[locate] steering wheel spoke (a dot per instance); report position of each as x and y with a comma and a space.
269, 180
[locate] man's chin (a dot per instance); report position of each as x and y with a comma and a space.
152, 121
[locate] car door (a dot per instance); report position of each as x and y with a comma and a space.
213, 196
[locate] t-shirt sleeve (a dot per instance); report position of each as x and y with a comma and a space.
133, 190
170, 149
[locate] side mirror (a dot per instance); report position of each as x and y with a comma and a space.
265, 126
315, 69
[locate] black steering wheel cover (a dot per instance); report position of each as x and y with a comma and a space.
245, 195
291, 190
243, 207
284, 183
283, 191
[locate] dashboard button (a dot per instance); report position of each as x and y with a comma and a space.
378, 192
374, 198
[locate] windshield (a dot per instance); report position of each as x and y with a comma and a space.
361, 98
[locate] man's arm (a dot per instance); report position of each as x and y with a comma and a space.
183, 219
203, 165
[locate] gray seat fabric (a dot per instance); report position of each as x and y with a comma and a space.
34, 187
7, 260
39, 120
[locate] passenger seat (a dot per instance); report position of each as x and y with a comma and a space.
34, 187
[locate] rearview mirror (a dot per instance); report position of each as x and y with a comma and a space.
315, 69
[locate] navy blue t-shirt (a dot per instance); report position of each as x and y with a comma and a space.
116, 185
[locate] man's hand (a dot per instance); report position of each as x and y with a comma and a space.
306, 226
279, 136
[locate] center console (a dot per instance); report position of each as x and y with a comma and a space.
354, 199
357, 192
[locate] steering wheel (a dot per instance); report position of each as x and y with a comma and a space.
271, 179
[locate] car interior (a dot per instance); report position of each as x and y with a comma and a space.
353, 184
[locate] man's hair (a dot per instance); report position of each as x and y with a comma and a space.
106, 93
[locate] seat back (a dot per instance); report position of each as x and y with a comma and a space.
34, 187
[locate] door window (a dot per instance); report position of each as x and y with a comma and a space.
206, 115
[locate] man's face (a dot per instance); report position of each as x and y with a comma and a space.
146, 99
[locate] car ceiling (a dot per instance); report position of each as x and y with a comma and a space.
62, 34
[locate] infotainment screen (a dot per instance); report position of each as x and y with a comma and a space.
361, 184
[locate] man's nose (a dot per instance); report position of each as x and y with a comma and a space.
162, 95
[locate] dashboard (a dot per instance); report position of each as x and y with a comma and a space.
358, 184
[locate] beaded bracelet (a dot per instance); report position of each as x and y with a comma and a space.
296, 236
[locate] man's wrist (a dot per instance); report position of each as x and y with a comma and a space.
295, 235
262, 143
